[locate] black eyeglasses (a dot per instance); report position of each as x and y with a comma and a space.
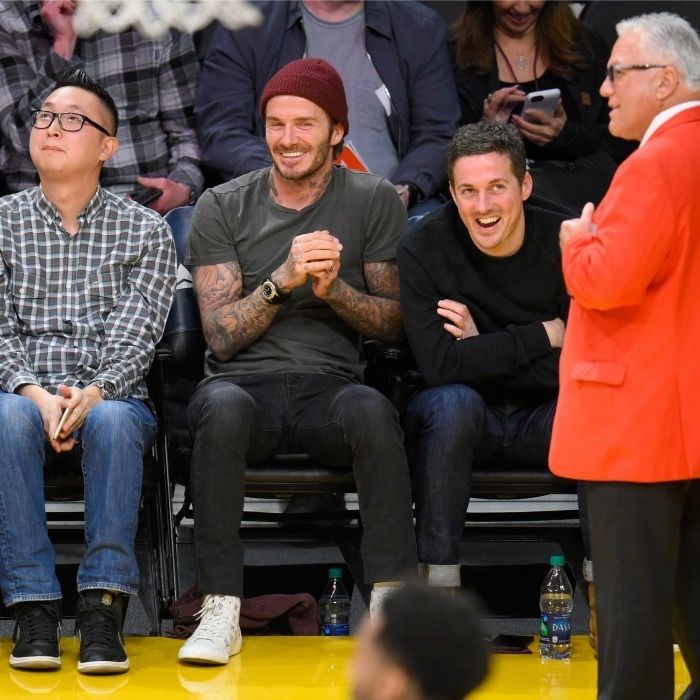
68, 121
611, 72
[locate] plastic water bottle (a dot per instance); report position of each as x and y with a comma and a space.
556, 604
334, 606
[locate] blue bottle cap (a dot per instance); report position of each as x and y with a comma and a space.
557, 560
335, 572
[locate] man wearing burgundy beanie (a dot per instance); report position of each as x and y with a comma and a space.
292, 264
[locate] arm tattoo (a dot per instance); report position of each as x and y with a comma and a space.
230, 321
376, 314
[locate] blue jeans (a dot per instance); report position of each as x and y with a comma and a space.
112, 442
449, 429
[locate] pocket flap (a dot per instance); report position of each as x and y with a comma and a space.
604, 372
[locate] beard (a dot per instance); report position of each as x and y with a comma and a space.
318, 161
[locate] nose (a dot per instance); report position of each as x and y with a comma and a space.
607, 87
54, 128
289, 134
483, 202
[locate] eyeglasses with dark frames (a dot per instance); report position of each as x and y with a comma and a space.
611, 72
68, 121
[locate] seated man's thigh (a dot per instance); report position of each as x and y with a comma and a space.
529, 433
344, 418
238, 414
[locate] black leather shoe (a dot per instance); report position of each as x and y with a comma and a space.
37, 634
98, 623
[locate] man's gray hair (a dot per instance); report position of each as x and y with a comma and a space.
671, 36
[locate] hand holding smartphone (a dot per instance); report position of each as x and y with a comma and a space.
544, 100
145, 195
62, 422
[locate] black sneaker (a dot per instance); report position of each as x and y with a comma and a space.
37, 634
98, 624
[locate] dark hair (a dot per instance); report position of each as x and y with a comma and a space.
436, 638
77, 77
560, 36
487, 137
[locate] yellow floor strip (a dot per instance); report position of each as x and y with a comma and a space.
288, 668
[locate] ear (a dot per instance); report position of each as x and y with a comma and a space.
526, 187
452, 194
110, 144
668, 82
337, 135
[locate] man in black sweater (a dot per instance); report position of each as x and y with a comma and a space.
484, 307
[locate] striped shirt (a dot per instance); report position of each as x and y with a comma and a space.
76, 309
152, 83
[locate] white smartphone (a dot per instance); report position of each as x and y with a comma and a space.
544, 100
64, 417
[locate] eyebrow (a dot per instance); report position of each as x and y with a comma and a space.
49, 103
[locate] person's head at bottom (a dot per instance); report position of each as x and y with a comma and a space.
425, 644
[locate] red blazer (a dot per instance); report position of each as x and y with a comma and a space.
629, 397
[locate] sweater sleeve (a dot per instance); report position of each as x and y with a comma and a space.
510, 354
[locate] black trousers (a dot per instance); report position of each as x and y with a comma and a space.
247, 419
645, 544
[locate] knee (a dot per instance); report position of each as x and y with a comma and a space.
112, 421
220, 406
363, 409
20, 419
452, 403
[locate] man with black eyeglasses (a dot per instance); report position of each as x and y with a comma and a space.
86, 282
152, 81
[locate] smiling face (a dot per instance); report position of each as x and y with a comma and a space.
300, 137
490, 199
516, 18
66, 154
633, 98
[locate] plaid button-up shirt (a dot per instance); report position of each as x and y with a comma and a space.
76, 309
151, 82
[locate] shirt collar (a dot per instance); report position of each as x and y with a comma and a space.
663, 117
50, 212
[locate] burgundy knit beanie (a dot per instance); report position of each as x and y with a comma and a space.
314, 79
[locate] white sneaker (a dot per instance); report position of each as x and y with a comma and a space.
378, 596
218, 636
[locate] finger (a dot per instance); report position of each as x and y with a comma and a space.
316, 267
451, 316
454, 330
587, 212
453, 305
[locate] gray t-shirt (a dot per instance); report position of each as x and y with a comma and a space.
342, 44
238, 221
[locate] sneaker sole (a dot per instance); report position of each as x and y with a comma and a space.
201, 660
102, 668
36, 662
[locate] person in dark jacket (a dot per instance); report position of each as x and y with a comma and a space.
395, 66
504, 50
484, 306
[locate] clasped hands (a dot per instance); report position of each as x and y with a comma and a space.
315, 255
52, 406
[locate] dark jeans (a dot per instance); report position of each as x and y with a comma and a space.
645, 541
448, 430
242, 420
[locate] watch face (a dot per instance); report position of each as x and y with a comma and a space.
268, 290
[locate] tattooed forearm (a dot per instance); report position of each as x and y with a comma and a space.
377, 314
230, 321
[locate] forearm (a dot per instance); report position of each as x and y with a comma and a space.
373, 316
230, 328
